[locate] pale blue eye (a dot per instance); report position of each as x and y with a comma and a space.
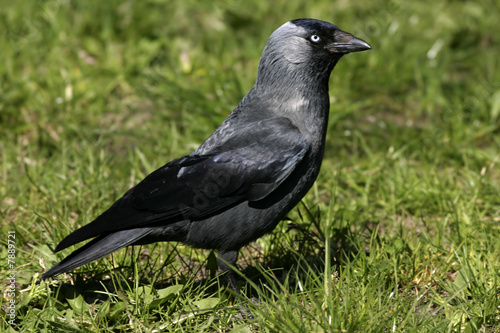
314, 38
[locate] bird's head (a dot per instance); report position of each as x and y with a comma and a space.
306, 45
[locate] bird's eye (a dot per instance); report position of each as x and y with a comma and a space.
315, 38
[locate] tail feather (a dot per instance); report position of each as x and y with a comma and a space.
97, 248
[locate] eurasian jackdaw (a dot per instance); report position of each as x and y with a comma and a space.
255, 167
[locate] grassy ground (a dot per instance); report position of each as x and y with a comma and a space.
401, 232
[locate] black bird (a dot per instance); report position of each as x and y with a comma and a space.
255, 167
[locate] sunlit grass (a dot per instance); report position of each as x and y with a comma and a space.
399, 234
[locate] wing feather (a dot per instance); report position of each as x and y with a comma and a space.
247, 167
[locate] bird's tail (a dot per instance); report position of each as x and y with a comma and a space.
97, 248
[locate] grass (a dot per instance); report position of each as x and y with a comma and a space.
399, 234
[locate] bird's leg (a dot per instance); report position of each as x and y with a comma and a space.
226, 260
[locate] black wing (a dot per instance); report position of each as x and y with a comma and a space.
247, 167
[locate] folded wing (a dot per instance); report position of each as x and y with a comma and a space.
249, 166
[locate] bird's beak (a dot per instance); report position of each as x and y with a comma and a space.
346, 43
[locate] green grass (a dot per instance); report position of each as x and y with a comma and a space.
401, 232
